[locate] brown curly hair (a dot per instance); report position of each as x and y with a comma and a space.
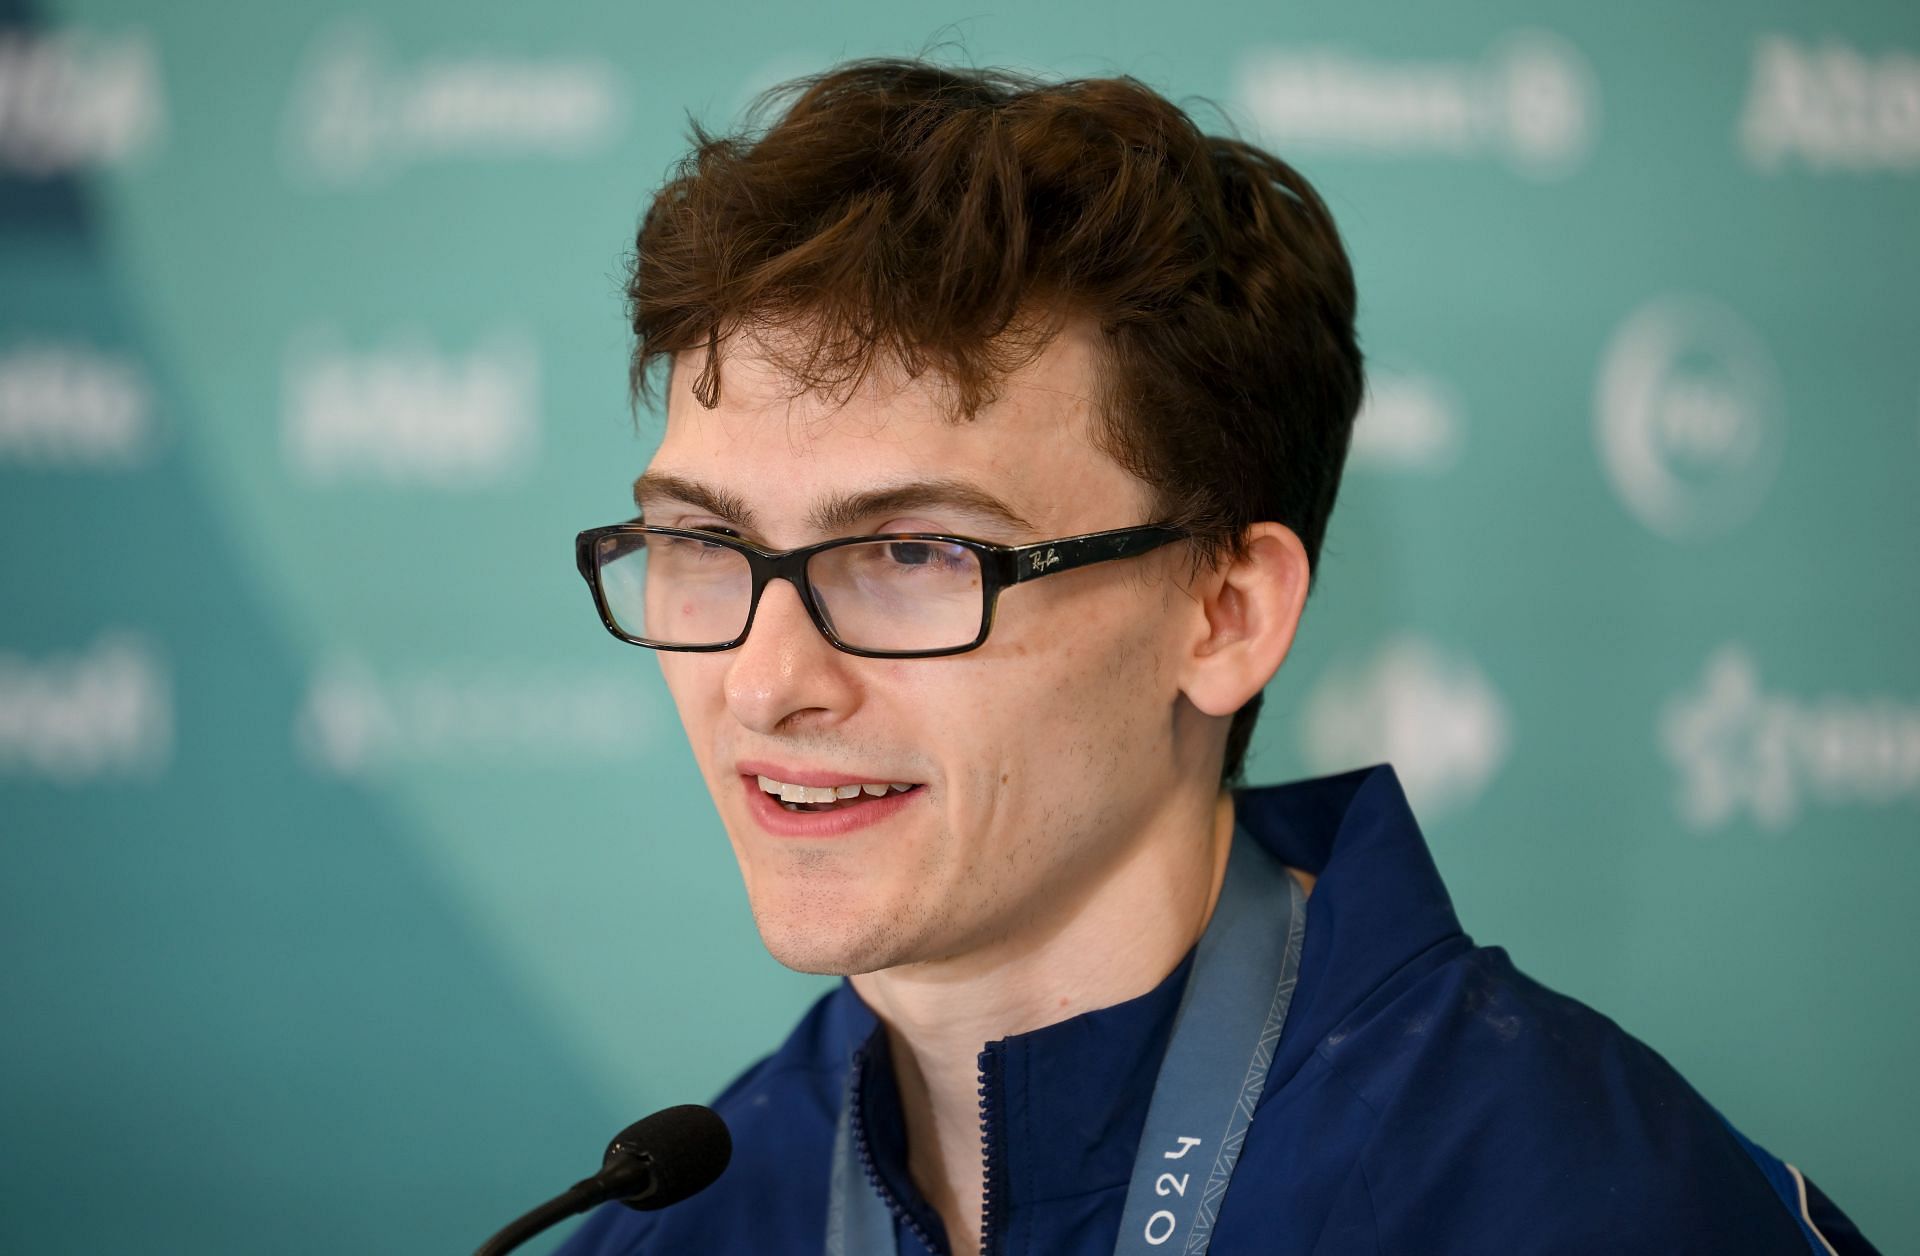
949, 219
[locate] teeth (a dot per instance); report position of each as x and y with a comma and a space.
828, 793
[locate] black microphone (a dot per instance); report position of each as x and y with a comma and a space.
658, 1160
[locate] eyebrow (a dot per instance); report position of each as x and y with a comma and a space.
842, 512
656, 486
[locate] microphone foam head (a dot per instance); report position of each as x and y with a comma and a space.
687, 1147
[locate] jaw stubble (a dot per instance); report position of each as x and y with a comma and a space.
818, 914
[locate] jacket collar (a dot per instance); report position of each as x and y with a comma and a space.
1377, 904
1063, 1107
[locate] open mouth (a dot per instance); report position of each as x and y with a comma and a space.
829, 797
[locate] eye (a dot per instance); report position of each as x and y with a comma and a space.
690, 547
930, 555
912, 553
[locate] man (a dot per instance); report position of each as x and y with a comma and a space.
1091, 375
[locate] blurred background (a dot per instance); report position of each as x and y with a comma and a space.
355, 886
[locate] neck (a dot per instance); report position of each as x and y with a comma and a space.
1136, 926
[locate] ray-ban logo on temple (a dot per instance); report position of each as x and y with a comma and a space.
897, 595
1046, 561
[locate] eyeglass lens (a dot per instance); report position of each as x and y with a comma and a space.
875, 595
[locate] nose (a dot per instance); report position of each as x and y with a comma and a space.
785, 674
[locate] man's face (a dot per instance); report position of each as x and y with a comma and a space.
1037, 762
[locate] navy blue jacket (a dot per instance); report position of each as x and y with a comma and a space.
1426, 1097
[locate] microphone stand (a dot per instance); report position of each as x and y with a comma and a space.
577, 1199
631, 1177
694, 1143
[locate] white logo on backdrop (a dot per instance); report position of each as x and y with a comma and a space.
105, 711
65, 404
1738, 748
357, 112
1688, 417
1531, 101
74, 100
355, 722
1832, 107
1435, 717
406, 413
1409, 422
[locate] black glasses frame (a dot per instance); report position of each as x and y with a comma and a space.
1000, 566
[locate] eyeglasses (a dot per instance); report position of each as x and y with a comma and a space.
898, 595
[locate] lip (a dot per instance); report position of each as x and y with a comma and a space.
777, 820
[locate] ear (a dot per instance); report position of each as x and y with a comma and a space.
1248, 608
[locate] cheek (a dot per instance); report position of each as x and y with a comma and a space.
694, 682
686, 673
1063, 709
1116, 688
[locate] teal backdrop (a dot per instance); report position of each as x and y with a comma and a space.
355, 885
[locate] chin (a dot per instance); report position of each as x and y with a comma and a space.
828, 943
825, 957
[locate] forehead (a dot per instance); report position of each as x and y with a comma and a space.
1033, 447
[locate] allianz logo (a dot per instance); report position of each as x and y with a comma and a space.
73, 100
105, 711
1831, 107
1738, 749
67, 404
1531, 101
358, 112
1408, 422
1688, 419
406, 413
359, 721
1431, 713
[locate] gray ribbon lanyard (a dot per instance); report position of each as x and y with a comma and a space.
1230, 1018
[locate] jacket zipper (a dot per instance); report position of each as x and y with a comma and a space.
993, 1168
865, 1153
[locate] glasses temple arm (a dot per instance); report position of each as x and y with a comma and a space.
1030, 562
